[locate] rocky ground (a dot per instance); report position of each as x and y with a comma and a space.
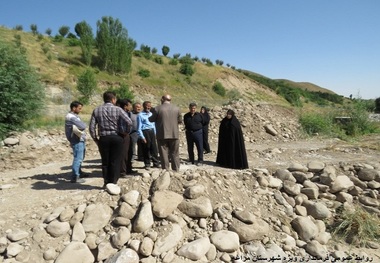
282, 206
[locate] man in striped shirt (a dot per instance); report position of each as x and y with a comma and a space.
104, 130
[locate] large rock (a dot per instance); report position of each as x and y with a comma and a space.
96, 216
366, 174
196, 249
165, 202
144, 219
200, 207
255, 231
305, 228
225, 241
124, 255
75, 252
170, 237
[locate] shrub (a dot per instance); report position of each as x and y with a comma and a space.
219, 89
19, 28
158, 60
313, 123
186, 69
144, 73
173, 62
86, 85
123, 92
357, 226
21, 94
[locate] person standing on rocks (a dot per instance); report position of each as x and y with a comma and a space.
231, 147
124, 132
134, 136
104, 131
206, 119
75, 134
167, 117
194, 134
146, 131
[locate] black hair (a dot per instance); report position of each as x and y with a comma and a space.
75, 104
108, 96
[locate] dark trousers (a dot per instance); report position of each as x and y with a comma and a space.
206, 145
110, 148
125, 154
196, 138
150, 148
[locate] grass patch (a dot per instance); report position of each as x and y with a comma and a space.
357, 227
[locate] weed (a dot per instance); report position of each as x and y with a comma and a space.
357, 226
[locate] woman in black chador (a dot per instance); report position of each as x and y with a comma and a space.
206, 122
231, 147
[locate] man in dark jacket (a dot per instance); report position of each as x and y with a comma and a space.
193, 121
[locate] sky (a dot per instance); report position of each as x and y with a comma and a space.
334, 44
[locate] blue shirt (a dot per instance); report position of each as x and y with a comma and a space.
143, 123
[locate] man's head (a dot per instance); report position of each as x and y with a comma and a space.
76, 107
192, 107
147, 105
166, 98
137, 107
109, 96
125, 104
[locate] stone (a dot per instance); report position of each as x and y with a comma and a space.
200, 207
75, 252
193, 192
225, 241
170, 237
315, 166
255, 231
132, 198
144, 218
96, 216
122, 236
57, 228
196, 249
113, 189
124, 255
305, 228
366, 174
17, 235
165, 202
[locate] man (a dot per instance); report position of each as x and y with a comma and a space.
74, 130
133, 133
193, 124
124, 130
106, 118
167, 117
146, 131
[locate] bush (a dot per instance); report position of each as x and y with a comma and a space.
158, 60
313, 123
21, 94
357, 226
123, 92
186, 69
86, 85
219, 89
173, 62
144, 73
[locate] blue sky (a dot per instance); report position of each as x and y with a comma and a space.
332, 43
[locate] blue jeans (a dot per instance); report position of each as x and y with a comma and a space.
78, 152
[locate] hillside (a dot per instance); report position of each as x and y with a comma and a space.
59, 65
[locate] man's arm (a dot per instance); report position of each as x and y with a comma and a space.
93, 127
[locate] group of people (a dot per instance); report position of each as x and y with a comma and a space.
123, 131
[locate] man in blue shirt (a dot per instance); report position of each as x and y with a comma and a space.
146, 131
75, 134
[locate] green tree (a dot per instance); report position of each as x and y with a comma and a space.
63, 30
165, 50
19, 28
115, 48
154, 50
48, 32
219, 89
186, 69
87, 85
377, 105
123, 92
84, 32
21, 93
33, 28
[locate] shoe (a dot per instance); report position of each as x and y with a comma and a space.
132, 172
157, 165
207, 152
84, 175
78, 180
